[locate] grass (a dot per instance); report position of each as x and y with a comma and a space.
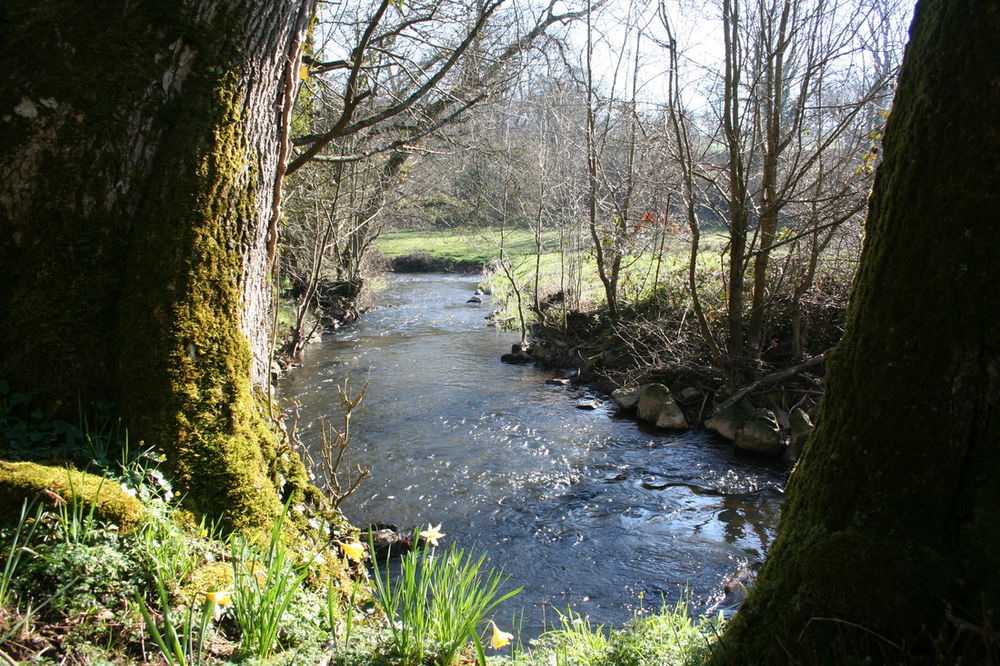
668, 637
21, 534
265, 583
459, 245
456, 246
180, 643
437, 603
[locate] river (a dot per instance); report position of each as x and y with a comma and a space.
581, 508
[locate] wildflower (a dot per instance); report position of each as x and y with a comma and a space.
432, 534
355, 550
499, 638
220, 598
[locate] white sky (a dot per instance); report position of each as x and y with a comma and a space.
698, 29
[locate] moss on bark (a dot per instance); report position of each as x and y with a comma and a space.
890, 534
134, 185
20, 482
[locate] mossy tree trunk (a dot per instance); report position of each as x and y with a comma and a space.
140, 150
891, 533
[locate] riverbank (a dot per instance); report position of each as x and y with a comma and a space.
656, 366
509, 467
764, 402
109, 567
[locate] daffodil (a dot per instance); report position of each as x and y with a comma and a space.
354, 551
432, 534
218, 602
220, 598
499, 638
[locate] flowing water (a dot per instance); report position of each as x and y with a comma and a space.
579, 507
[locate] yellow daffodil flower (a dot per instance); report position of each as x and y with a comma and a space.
432, 534
220, 598
354, 551
499, 638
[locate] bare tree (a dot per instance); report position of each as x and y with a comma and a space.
795, 97
408, 76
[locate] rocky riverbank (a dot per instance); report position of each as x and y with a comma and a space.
770, 414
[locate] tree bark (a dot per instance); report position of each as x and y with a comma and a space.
139, 183
776, 44
738, 204
890, 538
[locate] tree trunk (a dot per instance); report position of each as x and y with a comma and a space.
775, 142
139, 184
738, 204
889, 542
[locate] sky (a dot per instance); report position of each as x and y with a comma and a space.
697, 28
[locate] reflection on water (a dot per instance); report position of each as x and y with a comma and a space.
579, 507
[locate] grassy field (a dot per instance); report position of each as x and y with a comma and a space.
457, 246
461, 244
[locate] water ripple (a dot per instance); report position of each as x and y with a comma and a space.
578, 507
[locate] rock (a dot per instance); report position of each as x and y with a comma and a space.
733, 587
801, 426
387, 539
726, 423
475, 299
627, 398
781, 416
515, 359
760, 434
650, 400
671, 416
690, 393
658, 406
519, 354
589, 404
557, 381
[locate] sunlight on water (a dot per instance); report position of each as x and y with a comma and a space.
579, 507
